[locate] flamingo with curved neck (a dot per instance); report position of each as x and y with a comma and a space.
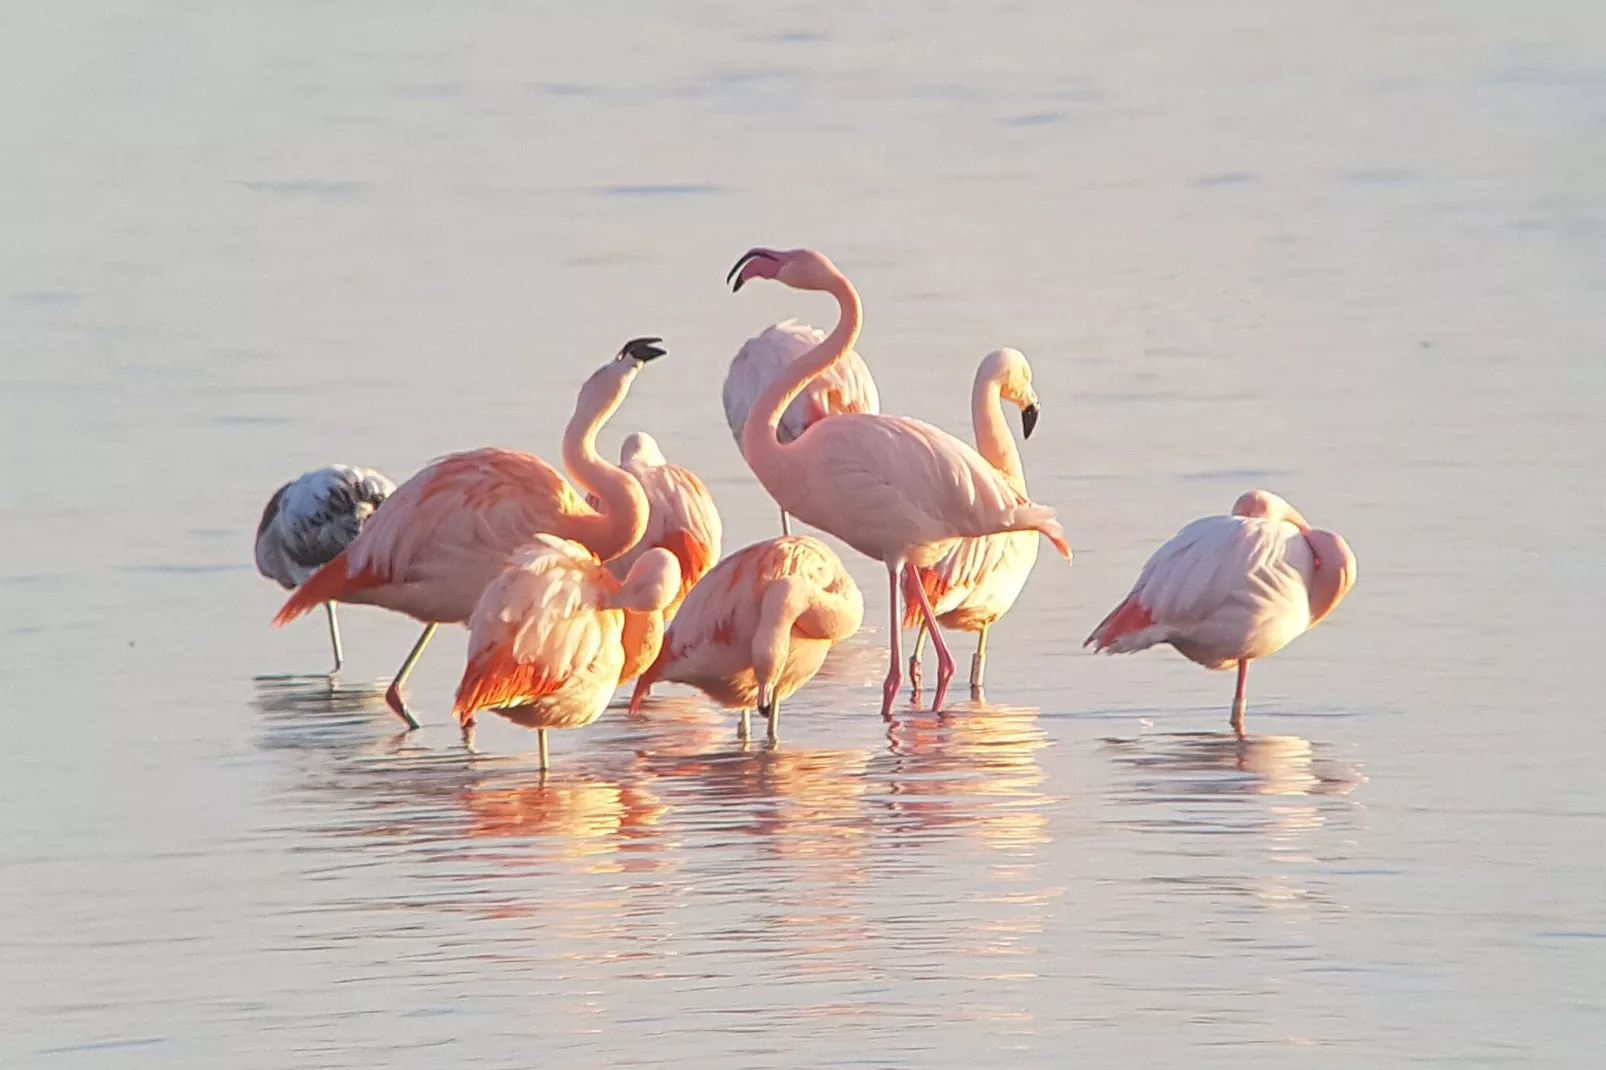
894, 488
447, 532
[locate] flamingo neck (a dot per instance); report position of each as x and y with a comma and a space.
621, 516
759, 439
993, 439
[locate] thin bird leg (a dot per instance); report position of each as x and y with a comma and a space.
978, 663
786, 523
393, 694
540, 736
775, 720
1238, 699
744, 728
945, 659
915, 660
334, 638
889, 690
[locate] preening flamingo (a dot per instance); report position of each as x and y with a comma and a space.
311, 519
894, 488
681, 516
757, 627
555, 633
448, 531
845, 386
1228, 589
978, 580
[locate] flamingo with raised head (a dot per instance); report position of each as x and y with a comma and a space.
1228, 589
555, 634
845, 386
681, 515
894, 488
757, 627
311, 519
448, 532
978, 580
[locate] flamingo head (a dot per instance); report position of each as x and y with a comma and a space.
801, 269
651, 584
1335, 571
641, 448
1268, 506
1013, 374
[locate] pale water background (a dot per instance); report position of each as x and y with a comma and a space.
1351, 252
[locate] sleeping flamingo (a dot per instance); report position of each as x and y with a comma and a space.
1229, 589
449, 530
978, 581
844, 387
681, 516
757, 627
555, 633
311, 519
894, 488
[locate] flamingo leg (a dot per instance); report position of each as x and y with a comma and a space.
334, 637
915, 668
540, 737
744, 728
978, 664
775, 720
786, 523
945, 658
889, 689
393, 694
1238, 699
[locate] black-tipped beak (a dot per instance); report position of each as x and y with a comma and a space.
1028, 420
734, 279
643, 349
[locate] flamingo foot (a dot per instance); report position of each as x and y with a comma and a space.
889, 689
393, 699
915, 671
945, 673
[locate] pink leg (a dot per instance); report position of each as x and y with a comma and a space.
889, 690
945, 659
1238, 699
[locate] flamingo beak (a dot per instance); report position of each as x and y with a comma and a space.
642, 349
737, 277
1028, 419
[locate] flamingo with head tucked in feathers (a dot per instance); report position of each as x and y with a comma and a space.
1228, 589
978, 580
555, 634
894, 488
311, 519
448, 532
758, 626
845, 386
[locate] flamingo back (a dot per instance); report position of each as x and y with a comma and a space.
313, 517
846, 386
682, 519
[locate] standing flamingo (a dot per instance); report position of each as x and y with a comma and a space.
449, 530
844, 387
978, 580
555, 633
681, 516
894, 488
1229, 589
757, 627
311, 519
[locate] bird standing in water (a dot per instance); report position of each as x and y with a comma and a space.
1228, 589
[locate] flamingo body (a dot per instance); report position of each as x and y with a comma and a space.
846, 386
758, 626
312, 518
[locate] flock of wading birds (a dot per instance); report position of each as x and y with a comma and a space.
568, 596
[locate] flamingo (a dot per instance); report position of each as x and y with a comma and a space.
555, 633
978, 581
844, 387
756, 628
449, 530
311, 519
894, 488
681, 516
1228, 589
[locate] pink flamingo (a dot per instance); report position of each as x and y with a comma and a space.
448, 531
681, 516
978, 580
894, 488
1229, 589
554, 635
757, 627
846, 386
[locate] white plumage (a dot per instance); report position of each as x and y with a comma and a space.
311, 519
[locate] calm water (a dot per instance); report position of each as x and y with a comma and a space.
1349, 252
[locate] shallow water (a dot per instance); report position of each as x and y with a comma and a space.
1352, 254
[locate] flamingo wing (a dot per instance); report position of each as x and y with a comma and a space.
312, 518
963, 570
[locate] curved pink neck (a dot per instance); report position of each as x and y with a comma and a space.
621, 519
759, 441
993, 440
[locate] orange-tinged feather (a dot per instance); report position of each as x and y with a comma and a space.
329, 584
694, 555
494, 679
935, 587
1128, 617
